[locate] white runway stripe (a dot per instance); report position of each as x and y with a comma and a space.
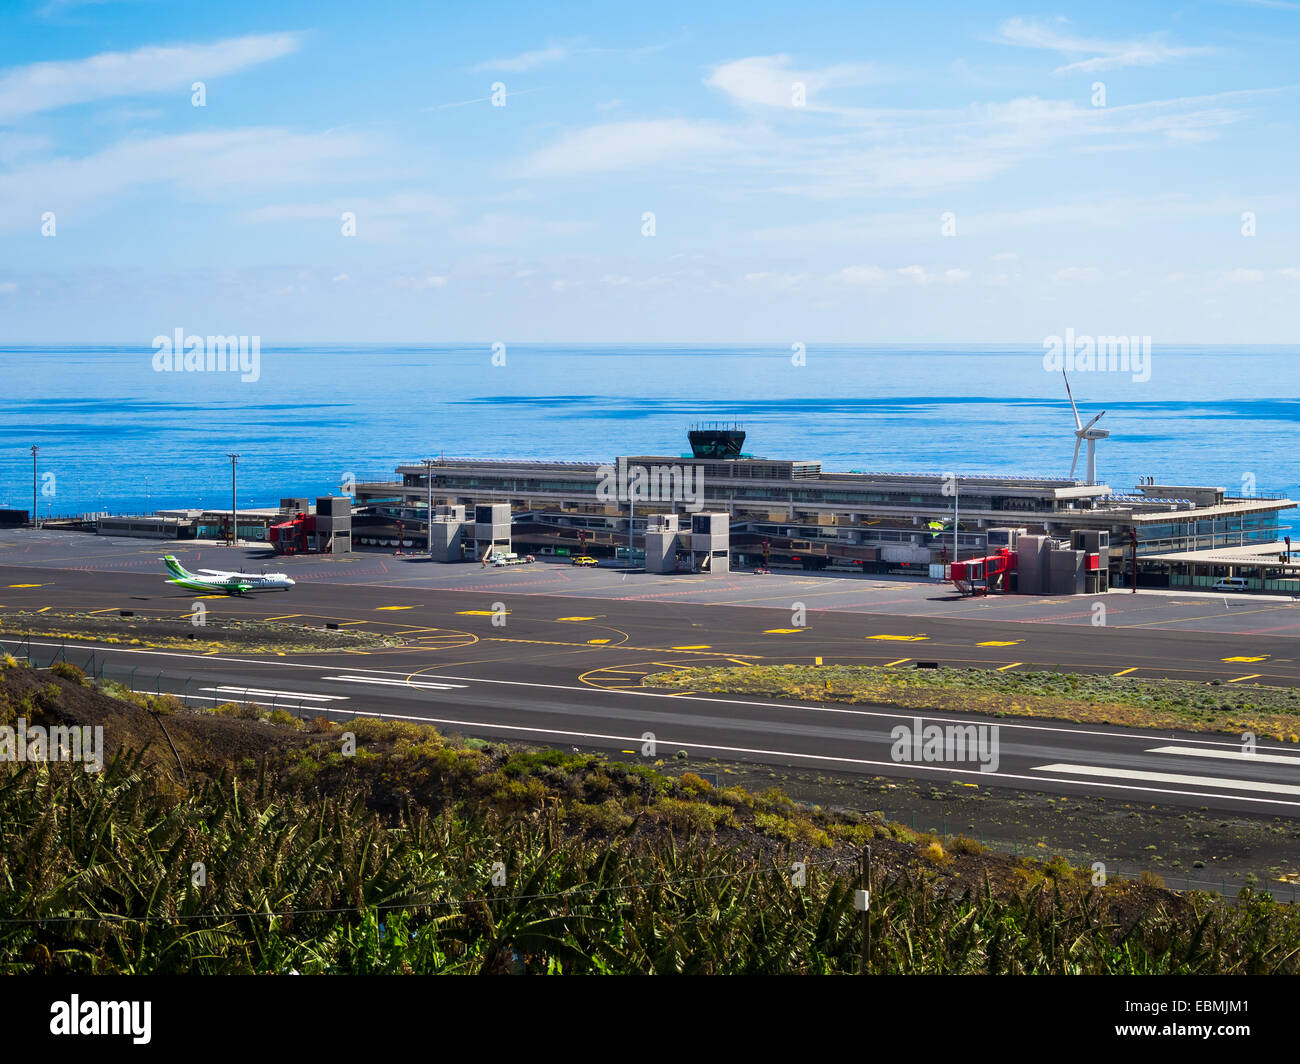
1171, 777
428, 686
1227, 755
276, 694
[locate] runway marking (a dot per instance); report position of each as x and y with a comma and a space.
232, 689
1252, 676
1227, 755
1263, 657
430, 686
1056, 729
1003, 668
1000, 643
1171, 777
901, 638
890, 665
914, 766
1125, 672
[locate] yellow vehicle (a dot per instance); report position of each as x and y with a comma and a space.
584, 560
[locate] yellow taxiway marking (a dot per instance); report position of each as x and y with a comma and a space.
284, 617
1252, 676
900, 661
1000, 643
901, 638
111, 609
342, 623
784, 631
26, 585
1262, 657
478, 613
577, 618
597, 640
394, 607
1003, 668
1125, 672
43, 609
706, 646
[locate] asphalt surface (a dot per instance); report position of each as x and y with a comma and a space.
502, 655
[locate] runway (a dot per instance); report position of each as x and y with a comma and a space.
503, 661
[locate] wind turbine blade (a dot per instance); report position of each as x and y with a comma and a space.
1093, 421
1077, 441
1077, 423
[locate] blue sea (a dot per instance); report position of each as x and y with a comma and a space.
122, 437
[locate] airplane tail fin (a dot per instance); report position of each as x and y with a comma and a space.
174, 567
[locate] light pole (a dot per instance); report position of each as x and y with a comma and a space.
428, 512
234, 500
36, 513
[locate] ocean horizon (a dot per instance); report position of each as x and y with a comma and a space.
120, 436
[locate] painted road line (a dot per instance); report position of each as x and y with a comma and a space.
1003, 668
396, 683
306, 697
1252, 676
901, 638
891, 664
1227, 755
1000, 643
1171, 777
1125, 672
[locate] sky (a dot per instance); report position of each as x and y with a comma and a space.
592, 172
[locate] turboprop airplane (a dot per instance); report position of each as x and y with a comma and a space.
218, 582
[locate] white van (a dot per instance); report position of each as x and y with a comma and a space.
1230, 583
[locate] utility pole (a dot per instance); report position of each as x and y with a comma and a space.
36, 513
956, 505
1133, 538
863, 903
234, 500
428, 514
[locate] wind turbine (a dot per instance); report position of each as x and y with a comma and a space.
1084, 432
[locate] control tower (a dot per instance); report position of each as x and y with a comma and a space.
716, 440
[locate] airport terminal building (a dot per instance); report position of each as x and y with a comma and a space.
807, 517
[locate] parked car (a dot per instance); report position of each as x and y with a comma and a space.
1230, 583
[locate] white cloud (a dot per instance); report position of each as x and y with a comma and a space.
207, 164
46, 86
410, 205
625, 145
540, 57
770, 81
1243, 275
1149, 50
